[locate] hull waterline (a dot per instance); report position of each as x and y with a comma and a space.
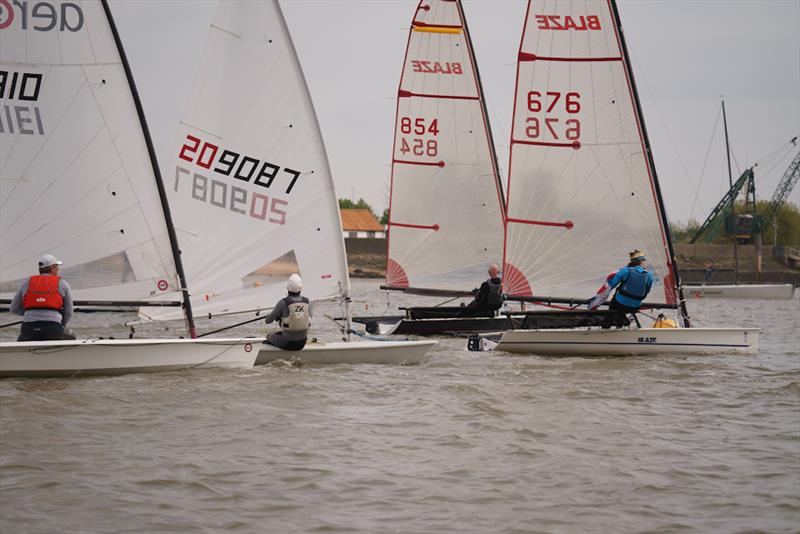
122, 356
629, 342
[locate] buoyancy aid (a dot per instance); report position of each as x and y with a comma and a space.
299, 318
43, 293
635, 286
494, 298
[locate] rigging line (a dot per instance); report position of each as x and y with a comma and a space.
784, 146
666, 128
774, 165
705, 162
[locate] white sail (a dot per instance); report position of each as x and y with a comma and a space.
446, 221
250, 191
76, 178
582, 192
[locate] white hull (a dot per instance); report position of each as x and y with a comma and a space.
624, 342
741, 291
380, 352
122, 356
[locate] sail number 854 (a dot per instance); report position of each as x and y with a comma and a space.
419, 146
553, 102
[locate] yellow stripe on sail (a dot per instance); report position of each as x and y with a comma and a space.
435, 29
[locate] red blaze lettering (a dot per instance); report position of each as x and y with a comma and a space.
567, 22
435, 67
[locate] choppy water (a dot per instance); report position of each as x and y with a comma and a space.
465, 442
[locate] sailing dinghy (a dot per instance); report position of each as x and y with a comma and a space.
445, 202
79, 180
582, 188
252, 195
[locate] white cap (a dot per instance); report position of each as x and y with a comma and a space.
48, 260
295, 283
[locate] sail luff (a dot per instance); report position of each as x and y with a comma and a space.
176, 254
666, 233
342, 256
484, 112
505, 276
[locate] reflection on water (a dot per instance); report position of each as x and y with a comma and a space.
465, 442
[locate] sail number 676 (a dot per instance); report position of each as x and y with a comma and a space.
551, 126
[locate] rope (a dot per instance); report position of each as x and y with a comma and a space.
231, 326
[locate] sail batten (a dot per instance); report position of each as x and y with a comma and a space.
445, 200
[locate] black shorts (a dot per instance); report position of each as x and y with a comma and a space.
614, 305
279, 340
43, 331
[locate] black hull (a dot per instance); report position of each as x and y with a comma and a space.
449, 326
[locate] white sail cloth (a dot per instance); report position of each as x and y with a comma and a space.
446, 222
76, 179
250, 190
581, 193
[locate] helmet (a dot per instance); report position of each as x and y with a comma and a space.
294, 284
637, 255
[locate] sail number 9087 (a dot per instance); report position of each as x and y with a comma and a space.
419, 146
552, 127
203, 154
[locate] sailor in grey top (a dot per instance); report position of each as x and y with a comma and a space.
45, 322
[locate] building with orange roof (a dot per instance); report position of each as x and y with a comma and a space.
361, 223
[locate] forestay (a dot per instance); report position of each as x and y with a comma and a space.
251, 190
76, 177
446, 201
582, 191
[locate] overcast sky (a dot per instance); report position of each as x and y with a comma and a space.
686, 55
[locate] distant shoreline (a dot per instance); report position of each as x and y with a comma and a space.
366, 258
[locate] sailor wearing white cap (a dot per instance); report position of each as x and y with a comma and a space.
45, 302
294, 314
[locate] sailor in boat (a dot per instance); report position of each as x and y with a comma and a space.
489, 295
45, 302
634, 282
294, 313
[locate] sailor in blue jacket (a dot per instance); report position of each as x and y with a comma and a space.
634, 283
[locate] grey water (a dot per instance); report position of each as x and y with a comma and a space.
464, 442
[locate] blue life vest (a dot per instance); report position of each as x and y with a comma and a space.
634, 287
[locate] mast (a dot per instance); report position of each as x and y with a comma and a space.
651, 162
173, 239
495, 162
733, 200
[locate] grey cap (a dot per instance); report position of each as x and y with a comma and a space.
49, 260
